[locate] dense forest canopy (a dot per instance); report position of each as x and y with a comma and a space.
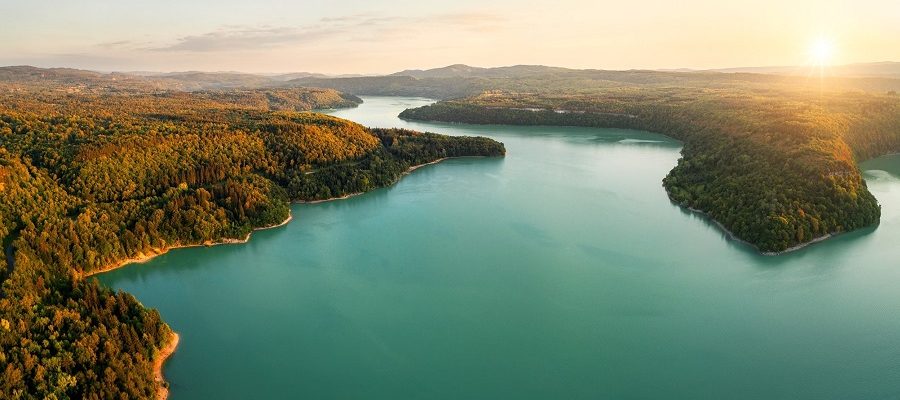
776, 167
92, 174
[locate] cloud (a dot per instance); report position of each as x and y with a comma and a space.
120, 43
474, 21
359, 27
123, 45
229, 39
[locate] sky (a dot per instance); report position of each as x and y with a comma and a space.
374, 36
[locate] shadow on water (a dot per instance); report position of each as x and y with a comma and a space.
838, 244
874, 170
430, 174
576, 135
889, 164
208, 257
189, 259
584, 135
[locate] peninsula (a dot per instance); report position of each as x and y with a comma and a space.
97, 171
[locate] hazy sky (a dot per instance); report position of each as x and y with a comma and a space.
372, 36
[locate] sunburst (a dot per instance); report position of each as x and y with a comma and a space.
821, 52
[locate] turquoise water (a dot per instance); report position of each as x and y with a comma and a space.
559, 272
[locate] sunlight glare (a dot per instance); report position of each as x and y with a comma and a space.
821, 51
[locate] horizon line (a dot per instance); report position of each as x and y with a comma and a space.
369, 74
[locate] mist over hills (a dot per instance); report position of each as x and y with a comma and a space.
466, 71
886, 69
461, 80
149, 80
873, 69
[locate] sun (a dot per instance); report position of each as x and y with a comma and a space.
821, 51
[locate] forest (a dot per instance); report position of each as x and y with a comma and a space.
92, 174
100, 168
776, 168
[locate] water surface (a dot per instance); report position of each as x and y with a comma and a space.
559, 272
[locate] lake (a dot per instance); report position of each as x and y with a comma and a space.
561, 271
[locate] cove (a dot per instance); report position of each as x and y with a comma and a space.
560, 271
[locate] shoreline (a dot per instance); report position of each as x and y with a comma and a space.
344, 197
155, 252
802, 245
415, 167
404, 173
169, 349
141, 258
734, 237
159, 361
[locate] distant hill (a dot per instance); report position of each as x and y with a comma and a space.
465, 71
460, 80
223, 88
217, 80
199, 80
513, 71
887, 69
397, 85
295, 75
77, 79
26, 73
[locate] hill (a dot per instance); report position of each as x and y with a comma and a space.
465, 71
459, 80
456, 81
145, 81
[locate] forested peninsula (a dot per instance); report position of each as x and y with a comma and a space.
772, 158
98, 169
776, 166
